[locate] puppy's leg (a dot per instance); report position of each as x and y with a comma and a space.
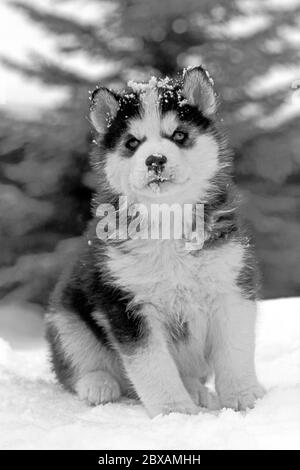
200, 394
233, 345
156, 379
150, 366
82, 363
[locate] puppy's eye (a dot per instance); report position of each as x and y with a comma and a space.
132, 143
179, 136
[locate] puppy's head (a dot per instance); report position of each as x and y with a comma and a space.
158, 140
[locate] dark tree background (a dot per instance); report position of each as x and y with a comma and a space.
252, 50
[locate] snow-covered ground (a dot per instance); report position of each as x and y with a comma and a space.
35, 413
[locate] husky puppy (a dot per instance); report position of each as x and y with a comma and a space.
149, 318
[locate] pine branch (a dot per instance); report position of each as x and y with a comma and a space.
85, 37
49, 72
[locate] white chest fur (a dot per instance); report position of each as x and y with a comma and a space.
178, 282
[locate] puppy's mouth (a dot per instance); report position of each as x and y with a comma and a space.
156, 182
160, 183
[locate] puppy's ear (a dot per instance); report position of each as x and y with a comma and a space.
103, 109
198, 90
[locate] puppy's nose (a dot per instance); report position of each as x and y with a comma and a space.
156, 162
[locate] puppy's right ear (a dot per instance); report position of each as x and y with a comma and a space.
104, 108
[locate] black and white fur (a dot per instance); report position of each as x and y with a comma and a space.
149, 318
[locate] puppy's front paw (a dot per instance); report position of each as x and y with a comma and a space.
243, 398
186, 407
200, 394
98, 387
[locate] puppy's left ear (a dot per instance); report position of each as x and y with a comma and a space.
104, 108
198, 90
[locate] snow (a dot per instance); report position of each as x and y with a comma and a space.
277, 78
241, 26
284, 113
249, 6
281, 5
35, 413
152, 84
17, 37
290, 34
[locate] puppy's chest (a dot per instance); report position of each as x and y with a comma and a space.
167, 275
